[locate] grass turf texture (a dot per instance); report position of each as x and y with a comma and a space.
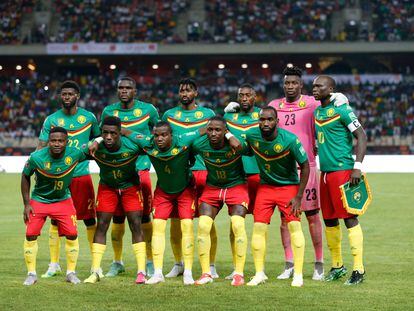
388, 249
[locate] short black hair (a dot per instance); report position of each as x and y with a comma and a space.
188, 81
292, 71
58, 129
163, 124
113, 121
218, 117
270, 108
329, 79
128, 79
247, 86
70, 84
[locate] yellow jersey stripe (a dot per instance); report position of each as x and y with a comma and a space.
242, 127
328, 121
187, 124
270, 158
46, 174
80, 131
222, 164
135, 122
117, 165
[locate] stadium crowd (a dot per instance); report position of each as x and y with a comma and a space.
384, 109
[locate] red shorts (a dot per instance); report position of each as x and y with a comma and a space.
83, 196
310, 200
331, 203
217, 197
268, 197
182, 204
253, 182
130, 199
146, 188
63, 212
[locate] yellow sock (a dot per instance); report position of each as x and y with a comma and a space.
259, 245
117, 235
158, 242
90, 233
97, 252
139, 251
187, 241
54, 244
334, 239
240, 241
175, 239
213, 248
356, 241
233, 250
30, 253
147, 230
72, 253
204, 242
298, 245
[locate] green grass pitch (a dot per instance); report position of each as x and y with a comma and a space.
388, 248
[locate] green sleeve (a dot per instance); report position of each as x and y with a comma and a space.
347, 115
164, 117
298, 151
44, 133
96, 131
103, 115
29, 167
188, 138
154, 116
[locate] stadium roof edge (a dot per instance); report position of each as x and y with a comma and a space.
238, 49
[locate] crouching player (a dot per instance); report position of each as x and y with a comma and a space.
54, 167
118, 185
277, 151
226, 184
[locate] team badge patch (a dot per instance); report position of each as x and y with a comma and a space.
302, 104
278, 148
68, 160
174, 151
81, 119
137, 112
198, 114
61, 122
330, 112
255, 115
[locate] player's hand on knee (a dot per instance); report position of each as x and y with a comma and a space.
28, 209
355, 177
339, 99
232, 107
295, 206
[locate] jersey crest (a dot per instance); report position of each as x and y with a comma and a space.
278, 148
137, 112
81, 119
68, 160
198, 114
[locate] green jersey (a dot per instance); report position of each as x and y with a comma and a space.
53, 176
184, 121
225, 169
117, 169
173, 165
334, 127
139, 118
277, 159
239, 124
81, 127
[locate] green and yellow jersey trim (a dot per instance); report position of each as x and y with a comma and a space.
241, 127
270, 158
327, 121
135, 122
222, 164
61, 175
186, 124
114, 164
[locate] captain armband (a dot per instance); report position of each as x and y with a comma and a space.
354, 125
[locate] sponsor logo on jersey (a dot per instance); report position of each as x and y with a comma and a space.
278, 148
125, 154
47, 165
206, 154
198, 114
178, 115
116, 113
174, 151
81, 119
71, 126
229, 154
61, 122
235, 116
281, 105
137, 112
68, 160
330, 112
126, 118
154, 152
255, 115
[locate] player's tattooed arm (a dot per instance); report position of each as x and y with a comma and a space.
295, 203
25, 190
361, 149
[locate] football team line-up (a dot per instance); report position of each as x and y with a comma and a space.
252, 160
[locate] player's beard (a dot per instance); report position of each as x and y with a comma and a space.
268, 133
186, 102
70, 105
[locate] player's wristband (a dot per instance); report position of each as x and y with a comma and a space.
358, 166
228, 135
98, 140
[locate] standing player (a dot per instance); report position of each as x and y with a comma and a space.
175, 191
81, 125
136, 116
54, 167
118, 185
239, 123
226, 184
277, 153
335, 128
295, 112
185, 118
